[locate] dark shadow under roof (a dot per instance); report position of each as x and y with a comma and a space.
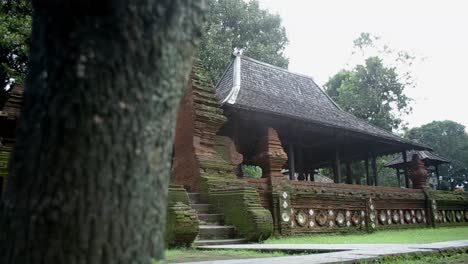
270, 89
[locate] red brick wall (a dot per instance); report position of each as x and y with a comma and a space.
185, 169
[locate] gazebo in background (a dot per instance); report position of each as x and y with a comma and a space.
430, 159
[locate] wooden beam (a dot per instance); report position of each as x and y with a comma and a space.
357, 177
292, 169
337, 167
398, 176
300, 163
374, 170
405, 167
349, 173
368, 178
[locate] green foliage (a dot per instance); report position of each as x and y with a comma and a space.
15, 29
450, 140
241, 24
251, 171
371, 92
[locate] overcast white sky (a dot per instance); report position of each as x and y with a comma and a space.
321, 34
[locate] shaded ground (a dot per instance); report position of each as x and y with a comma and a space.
426, 235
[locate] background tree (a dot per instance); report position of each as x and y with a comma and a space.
372, 92
450, 140
242, 24
15, 29
89, 172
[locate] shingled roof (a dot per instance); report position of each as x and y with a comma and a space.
253, 85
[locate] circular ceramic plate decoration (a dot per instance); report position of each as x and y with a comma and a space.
348, 213
321, 218
373, 225
458, 216
383, 217
330, 212
311, 212
419, 216
372, 207
372, 217
285, 195
348, 223
311, 223
331, 224
285, 204
363, 213
340, 219
396, 217
356, 219
408, 217
449, 216
285, 217
389, 213
301, 218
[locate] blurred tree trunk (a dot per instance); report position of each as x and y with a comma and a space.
90, 168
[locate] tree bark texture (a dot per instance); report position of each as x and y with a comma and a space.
90, 169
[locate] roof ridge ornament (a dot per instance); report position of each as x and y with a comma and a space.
236, 77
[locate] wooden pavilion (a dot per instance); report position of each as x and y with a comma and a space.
431, 161
314, 131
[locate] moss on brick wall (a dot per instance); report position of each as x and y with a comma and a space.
182, 223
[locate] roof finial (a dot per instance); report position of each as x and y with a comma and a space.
238, 51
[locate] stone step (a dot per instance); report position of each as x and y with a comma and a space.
202, 208
209, 232
211, 218
211, 242
194, 198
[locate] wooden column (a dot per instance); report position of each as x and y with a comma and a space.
337, 167
374, 170
300, 163
312, 175
349, 173
398, 176
292, 169
357, 178
405, 160
368, 178
437, 175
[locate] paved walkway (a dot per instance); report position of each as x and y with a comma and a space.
342, 253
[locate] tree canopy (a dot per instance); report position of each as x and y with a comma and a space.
372, 92
15, 29
448, 139
241, 24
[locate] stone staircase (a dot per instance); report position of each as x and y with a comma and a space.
212, 228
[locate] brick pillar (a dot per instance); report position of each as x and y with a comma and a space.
271, 157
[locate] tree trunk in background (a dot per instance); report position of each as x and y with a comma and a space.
90, 169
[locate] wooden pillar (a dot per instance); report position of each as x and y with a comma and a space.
349, 173
357, 177
312, 175
405, 160
337, 167
398, 176
374, 170
300, 163
437, 175
368, 178
292, 169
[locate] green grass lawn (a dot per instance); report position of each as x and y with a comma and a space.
426, 235
187, 255
446, 257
